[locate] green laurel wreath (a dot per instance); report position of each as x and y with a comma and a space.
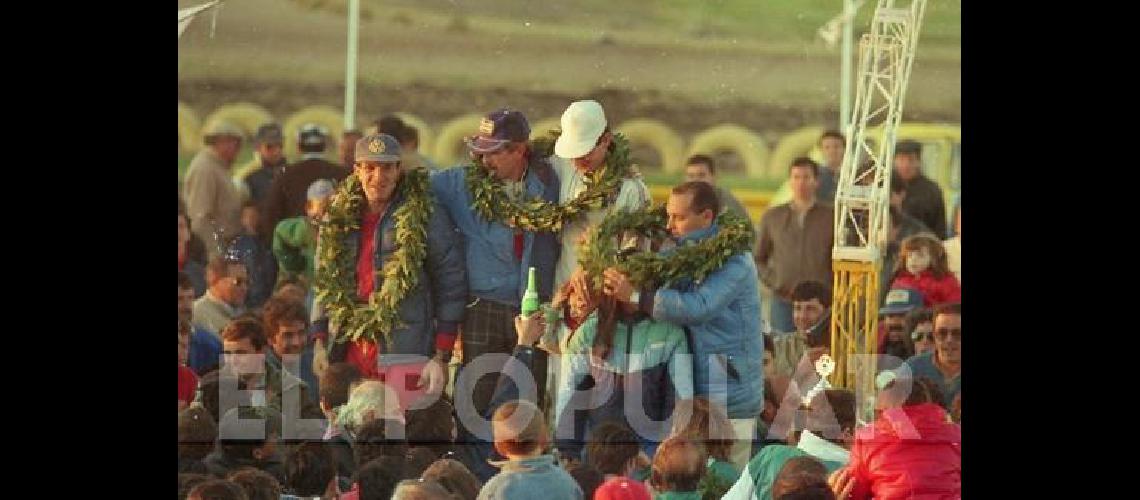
532, 214
336, 275
693, 259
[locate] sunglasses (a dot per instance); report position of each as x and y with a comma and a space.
943, 333
919, 335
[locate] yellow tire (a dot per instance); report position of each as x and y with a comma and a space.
189, 129
325, 116
797, 143
751, 147
544, 126
449, 147
245, 115
658, 136
425, 132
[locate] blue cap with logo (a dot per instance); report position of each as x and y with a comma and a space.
497, 129
901, 301
377, 147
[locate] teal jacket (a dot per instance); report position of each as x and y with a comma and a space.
756, 480
647, 354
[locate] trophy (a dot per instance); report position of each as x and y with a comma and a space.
823, 366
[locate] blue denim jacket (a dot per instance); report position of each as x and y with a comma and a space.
494, 272
722, 315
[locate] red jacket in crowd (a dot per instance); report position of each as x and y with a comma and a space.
934, 290
913, 452
187, 384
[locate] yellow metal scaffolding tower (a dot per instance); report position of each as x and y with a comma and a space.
886, 55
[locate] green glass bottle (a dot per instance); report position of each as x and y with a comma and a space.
530, 298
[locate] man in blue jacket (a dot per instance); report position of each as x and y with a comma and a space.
499, 256
205, 348
430, 312
721, 314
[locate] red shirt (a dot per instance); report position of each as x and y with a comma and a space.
365, 272
187, 384
362, 354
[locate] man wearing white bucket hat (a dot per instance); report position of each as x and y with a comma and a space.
586, 144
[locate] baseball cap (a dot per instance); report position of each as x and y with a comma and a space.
901, 301
582, 123
908, 147
320, 189
377, 147
622, 488
269, 133
497, 129
312, 135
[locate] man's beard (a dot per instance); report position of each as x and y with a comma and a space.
897, 348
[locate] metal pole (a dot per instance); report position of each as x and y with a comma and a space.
845, 67
350, 65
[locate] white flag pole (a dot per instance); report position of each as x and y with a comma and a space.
350, 65
845, 67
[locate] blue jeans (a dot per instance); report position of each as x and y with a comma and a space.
780, 315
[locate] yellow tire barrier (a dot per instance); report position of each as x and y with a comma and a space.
658, 136
796, 143
425, 132
325, 116
751, 147
189, 129
544, 126
755, 202
449, 143
245, 115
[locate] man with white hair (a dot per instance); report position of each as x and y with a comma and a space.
213, 202
367, 402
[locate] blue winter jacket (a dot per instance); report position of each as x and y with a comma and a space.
722, 315
204, 354
440, 294
493, 271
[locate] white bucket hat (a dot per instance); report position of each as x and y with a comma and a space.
582, 123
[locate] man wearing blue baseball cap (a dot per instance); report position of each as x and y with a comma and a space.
498, 256
429, 307
894, 340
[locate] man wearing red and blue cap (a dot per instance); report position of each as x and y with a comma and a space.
499, 256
